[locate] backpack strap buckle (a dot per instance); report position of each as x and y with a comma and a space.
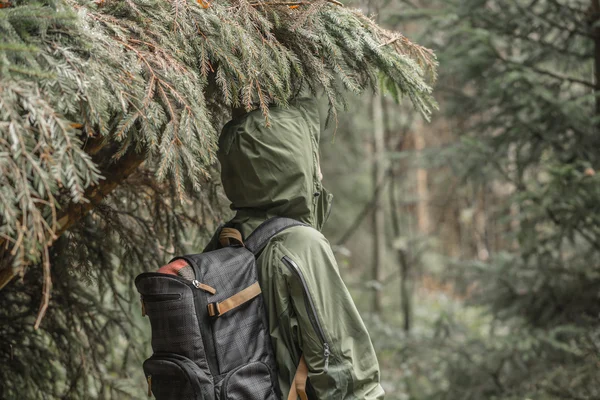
213, 310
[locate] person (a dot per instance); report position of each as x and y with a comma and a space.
270, 170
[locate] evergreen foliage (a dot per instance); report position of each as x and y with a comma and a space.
92, 340
522, 79
520, 316
109, 113
155, 76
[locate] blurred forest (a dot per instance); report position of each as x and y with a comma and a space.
479, 253
470, 243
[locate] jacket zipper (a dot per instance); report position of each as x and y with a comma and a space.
313, 314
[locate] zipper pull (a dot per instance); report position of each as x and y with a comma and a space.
199, 285
143, 307
326, 354
149, 385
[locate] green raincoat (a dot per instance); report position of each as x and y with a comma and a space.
274, 171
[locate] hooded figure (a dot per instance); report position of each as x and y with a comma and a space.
274, 171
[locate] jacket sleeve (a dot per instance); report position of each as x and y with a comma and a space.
331, 334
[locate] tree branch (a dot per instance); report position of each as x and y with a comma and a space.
114, 174
291, 3
542, 71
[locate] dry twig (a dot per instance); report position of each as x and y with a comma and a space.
291, 3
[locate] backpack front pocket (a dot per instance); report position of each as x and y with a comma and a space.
174, 377
170, 303
252, 381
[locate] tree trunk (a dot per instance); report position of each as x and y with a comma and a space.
379, 240
422, 187
402, 257
595, 6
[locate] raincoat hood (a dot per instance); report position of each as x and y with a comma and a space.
274, 170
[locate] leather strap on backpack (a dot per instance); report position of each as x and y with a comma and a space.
217, 309
298, 387
230, 236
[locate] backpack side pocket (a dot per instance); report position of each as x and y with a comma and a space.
170, 303
174, 377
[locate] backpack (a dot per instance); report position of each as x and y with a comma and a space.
210, 335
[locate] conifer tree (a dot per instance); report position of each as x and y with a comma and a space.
522, 77
109, 117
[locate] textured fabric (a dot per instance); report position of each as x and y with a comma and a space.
173, 377
171, 387
250, 382
169, 304
263, 234
224, 349
241, 335
237, 300
187, 273
229, 356
172, 268
272, 171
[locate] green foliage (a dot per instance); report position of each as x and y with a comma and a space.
518, 165
92, 340
84, 86
155, 76
519, 82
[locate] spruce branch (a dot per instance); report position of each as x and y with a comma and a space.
291, 3
71, 216
88, 88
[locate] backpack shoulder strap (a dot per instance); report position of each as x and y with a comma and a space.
271, 227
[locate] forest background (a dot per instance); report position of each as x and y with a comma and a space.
471, 243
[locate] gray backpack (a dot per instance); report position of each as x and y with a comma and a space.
210, 333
